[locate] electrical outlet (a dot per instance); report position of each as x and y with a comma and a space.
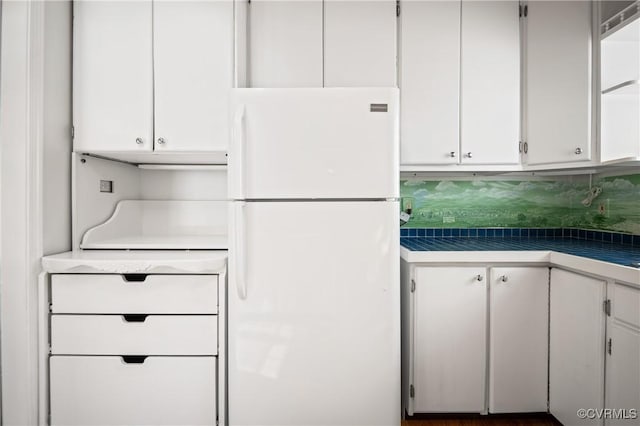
106, 186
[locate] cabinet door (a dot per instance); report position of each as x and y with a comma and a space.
576, 346
623, 360
193, 72
518, 350
360, 43
490, 82
449, 339
429, 82
558, 87
285, 43
112, 76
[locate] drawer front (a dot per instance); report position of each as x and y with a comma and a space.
134, 334
88, 391
114, 294
626, 305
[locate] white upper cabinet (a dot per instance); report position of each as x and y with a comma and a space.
152, 77
490, 82
460, 82
429, 82
360, 43
558, 81
620, 84
193, 73
112, 76
284, 43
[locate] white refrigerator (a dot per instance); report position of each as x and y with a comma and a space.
314, 297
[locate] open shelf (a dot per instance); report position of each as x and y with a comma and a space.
161, 224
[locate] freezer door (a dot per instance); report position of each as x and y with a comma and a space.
314, 143
314, 314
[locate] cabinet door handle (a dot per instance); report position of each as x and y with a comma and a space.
469, 155
504, 278
139, 141
134, 278
479, 278
161, 141
578, 151
452, 154
134, 317
134, 359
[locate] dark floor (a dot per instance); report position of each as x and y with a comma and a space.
477, 420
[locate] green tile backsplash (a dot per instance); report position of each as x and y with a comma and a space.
523, 203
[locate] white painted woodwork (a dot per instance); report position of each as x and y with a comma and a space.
105, 390
450, 325
518, 345
193, 73
285, 43
112, 76
161, 224
620, 108
112, 294
429, 82
576, 346
490, 82
339, 310
558, 81
623, 363
360, 39
121, 335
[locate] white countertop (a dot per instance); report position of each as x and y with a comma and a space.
136, 261
552, 258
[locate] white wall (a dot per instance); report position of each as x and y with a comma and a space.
34, 107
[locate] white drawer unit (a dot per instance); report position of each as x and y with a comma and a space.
134, 334
134, 294
134, 349
112, 390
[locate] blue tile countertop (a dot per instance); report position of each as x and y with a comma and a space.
617, 253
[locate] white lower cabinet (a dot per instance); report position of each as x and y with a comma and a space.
518, 348
576, 346
113, 390
462, 319
623, 356
115, 361
450, 309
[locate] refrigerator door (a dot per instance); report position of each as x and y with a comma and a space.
314, 321
314, 143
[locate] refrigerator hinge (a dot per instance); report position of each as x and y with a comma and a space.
609, 346
412, 391
606, 305
413, 285
397, 7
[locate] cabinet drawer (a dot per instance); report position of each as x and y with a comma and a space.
124, 294
106, 390
134, 334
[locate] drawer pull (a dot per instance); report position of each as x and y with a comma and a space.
134, 359
134, 278
135, 317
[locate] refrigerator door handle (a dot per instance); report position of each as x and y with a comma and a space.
240, 140
241, 255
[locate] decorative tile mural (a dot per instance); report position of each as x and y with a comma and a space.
524, 203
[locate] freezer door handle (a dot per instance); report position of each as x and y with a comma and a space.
241, 254
239, 140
